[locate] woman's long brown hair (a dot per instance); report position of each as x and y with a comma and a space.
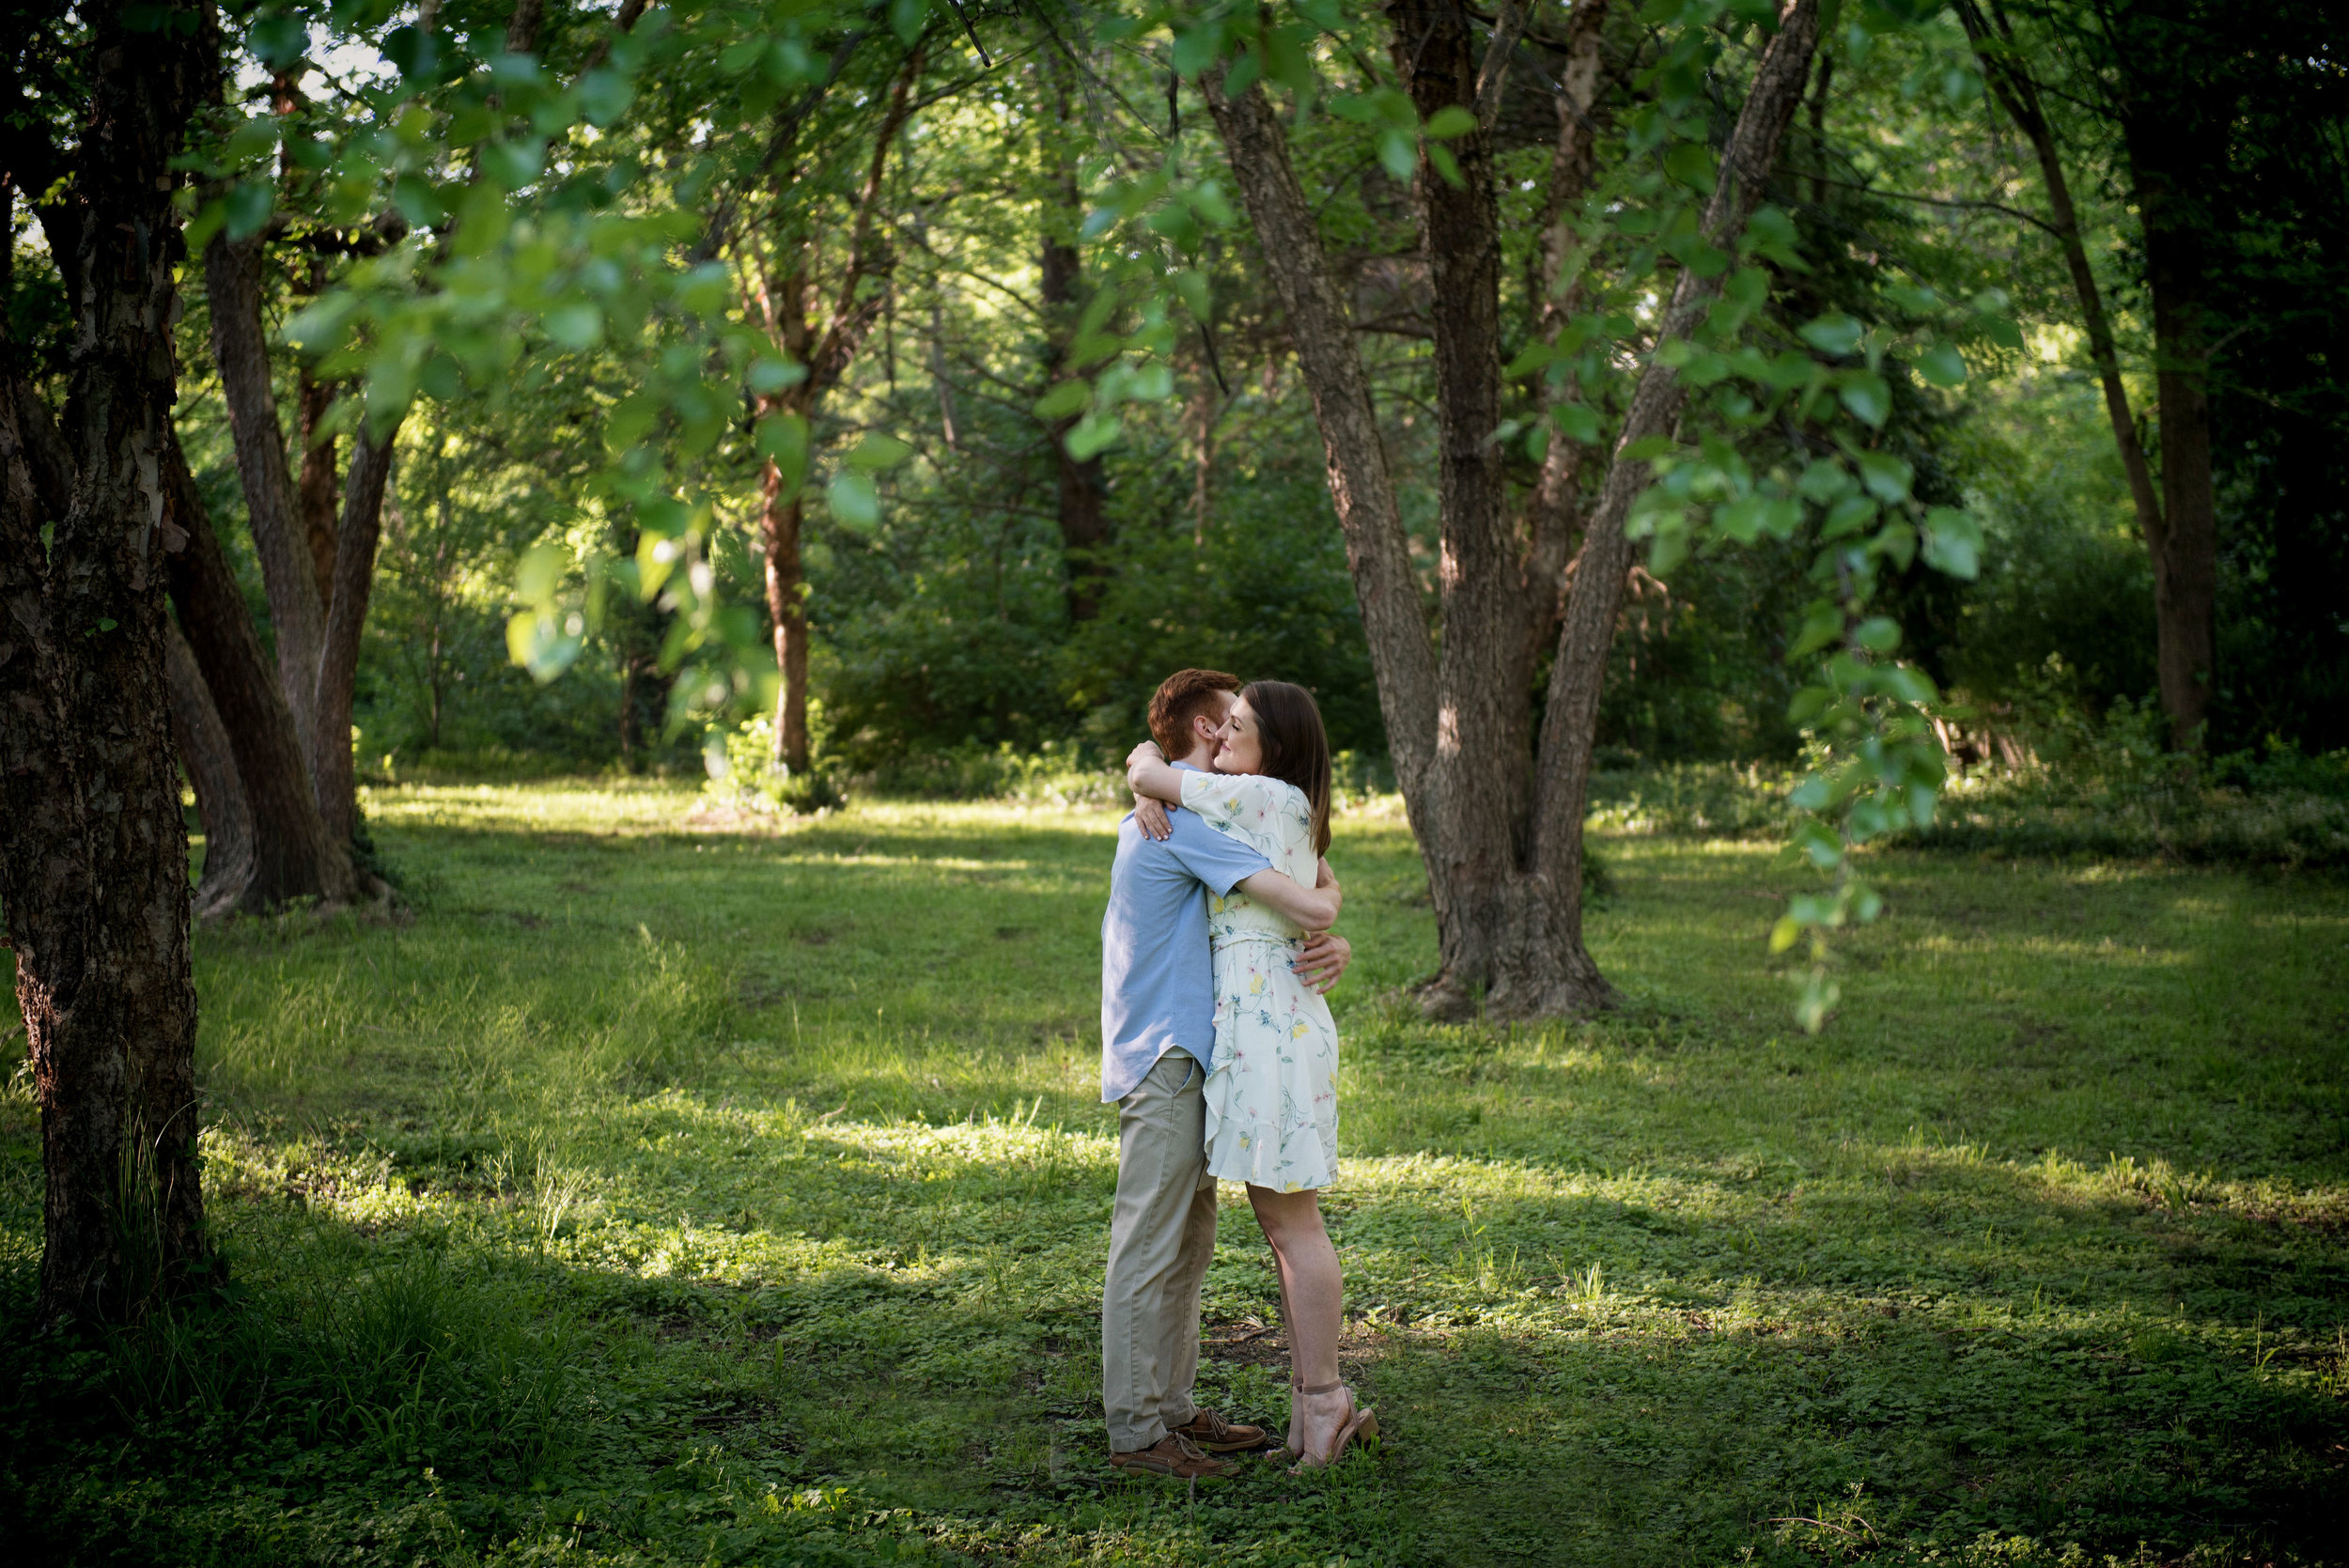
1296, 748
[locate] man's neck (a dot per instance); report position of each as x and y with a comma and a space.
1201, 757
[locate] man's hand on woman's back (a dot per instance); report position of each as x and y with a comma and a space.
1322, 959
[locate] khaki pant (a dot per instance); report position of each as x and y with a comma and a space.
1161, 1239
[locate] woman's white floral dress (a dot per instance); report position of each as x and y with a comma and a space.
1272, 1090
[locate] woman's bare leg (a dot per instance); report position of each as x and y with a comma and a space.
1312, 1301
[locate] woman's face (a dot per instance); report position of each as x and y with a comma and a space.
1240, 742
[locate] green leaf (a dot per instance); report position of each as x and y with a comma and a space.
1822, 481
1887, 476
1953, 543
248, 207
782, 441
1834, 334
1878, 634
579, 325
279, 40
1440, 159
1742, 520
629, 419
854, 502
1942, 364
876, 452
1576, 422
512, 164
1865, 394
1196, 48
769, 375
905, 18
418, 202
1820, 625
1064, 400
1092, 433
1191, 287
1848, 516
1450, 121
1648, 448
2004, 333
1690, 164
604, 96
1397, 153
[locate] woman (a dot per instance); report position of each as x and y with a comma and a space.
1272, 1091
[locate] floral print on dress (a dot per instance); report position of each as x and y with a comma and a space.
1272, 1088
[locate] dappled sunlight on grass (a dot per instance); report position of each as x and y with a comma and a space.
785, 1140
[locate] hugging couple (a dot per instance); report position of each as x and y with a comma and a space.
1221, 1055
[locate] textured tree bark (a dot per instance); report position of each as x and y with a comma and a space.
294, 856
1082, 493
1578, 675
787, 604
1499, 825
1360, 486
93, 873
315, 488
232, 282
2185, 555
1481, 773
202, 743
356, 536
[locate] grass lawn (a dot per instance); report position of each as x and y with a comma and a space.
681, 1190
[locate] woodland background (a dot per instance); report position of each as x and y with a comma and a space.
618, 548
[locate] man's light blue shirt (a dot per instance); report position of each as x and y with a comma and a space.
1157, 976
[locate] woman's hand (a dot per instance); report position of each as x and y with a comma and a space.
1150, 817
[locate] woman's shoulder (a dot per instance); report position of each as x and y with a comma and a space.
1241, 792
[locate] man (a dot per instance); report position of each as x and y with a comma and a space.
1157, 1034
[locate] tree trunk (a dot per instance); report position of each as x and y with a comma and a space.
315, 489
1360, 486
1082, 493
2162, 161
784, 301
1578, 675
1481, 776
787, 604
1501, 832
93, 874
2176, 645
297, 613
202, 743
294, 856
356, 536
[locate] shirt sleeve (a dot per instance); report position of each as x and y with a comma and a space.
1217, 859
1249, 801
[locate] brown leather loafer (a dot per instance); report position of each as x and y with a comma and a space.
1212, 1433
1176, 1456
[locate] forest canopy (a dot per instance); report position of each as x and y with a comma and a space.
973, 211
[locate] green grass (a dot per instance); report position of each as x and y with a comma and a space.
680, 1189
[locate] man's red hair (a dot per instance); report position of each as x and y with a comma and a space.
1182, 697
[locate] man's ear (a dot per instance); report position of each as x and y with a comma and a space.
1203, 727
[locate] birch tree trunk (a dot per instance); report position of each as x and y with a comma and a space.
93, 870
